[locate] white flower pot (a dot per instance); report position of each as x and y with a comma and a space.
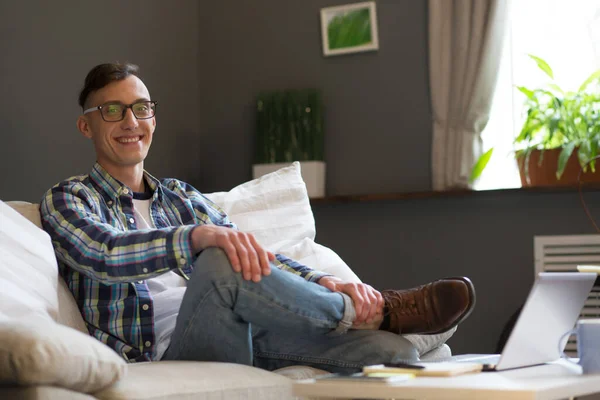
313, 174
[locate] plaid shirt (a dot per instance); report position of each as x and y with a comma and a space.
105, 260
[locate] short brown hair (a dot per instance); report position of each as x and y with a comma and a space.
103, 74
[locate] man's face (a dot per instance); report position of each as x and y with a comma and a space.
123, 143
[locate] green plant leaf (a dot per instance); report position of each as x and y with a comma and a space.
593, 77
541, 159
564, 156
556, 87
543, 65
526, 92
523, 157
480, 165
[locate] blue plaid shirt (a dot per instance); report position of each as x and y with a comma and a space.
105, 259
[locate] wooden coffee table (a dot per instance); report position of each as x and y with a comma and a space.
558, 380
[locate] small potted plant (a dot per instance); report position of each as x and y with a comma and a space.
289, 127
560, 135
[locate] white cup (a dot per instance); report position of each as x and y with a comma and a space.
588, 345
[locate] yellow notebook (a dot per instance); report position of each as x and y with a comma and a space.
589, 268
431, 369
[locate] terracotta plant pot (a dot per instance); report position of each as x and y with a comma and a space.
544, 174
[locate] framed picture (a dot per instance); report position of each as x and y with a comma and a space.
350, 28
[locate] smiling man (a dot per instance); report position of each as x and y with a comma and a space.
159, 272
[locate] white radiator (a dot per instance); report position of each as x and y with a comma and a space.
564, 254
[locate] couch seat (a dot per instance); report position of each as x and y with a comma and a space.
199, 381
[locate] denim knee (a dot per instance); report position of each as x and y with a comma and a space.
213, 263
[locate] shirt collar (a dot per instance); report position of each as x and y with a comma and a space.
112, 188
154, 185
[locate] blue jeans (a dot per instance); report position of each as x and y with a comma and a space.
280, 321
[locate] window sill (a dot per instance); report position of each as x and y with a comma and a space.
370, 198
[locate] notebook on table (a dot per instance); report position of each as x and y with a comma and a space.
450, 368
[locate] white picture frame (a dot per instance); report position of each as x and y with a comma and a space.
349, 28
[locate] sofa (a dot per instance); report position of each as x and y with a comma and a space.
47, 353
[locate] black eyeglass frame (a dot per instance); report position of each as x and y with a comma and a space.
125, 107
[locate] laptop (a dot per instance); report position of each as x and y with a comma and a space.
552, 309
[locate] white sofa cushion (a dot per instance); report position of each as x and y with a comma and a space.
276, 209
428, 344
199, 381
42, 352
28, 268
68, 313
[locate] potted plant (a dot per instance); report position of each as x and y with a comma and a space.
289, 127
560, 135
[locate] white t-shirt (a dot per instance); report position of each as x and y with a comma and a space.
166, 290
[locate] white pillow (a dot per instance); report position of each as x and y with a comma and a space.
316, 256
275, 208
42, 352
426, 343
68, 312
272, 207
28, 268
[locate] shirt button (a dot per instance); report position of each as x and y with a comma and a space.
148, 343
131, 220
145, 270
182, 261
126, 191
110, 203
145, 307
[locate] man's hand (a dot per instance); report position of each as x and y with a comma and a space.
242, 249
368, 302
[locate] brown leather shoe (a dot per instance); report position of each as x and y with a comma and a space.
430, 309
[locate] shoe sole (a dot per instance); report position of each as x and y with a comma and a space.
469, 309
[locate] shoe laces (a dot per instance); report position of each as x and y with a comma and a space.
404, 302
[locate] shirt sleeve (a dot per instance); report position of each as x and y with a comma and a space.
205, 209
287, 264
87, 243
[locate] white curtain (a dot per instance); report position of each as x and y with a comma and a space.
465, 46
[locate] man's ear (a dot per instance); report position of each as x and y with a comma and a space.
84, 126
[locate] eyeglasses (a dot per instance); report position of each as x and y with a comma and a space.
114, 112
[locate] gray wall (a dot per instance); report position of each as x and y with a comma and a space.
377, 124
378, 140
487, 236
205, 62
47, 49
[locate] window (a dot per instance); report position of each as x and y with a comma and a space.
565, 33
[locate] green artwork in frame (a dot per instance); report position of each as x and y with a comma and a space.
349, 28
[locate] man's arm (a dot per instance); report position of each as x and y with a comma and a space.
93, 247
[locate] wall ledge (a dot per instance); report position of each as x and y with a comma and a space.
378, 197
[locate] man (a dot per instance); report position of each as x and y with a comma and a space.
160, 273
